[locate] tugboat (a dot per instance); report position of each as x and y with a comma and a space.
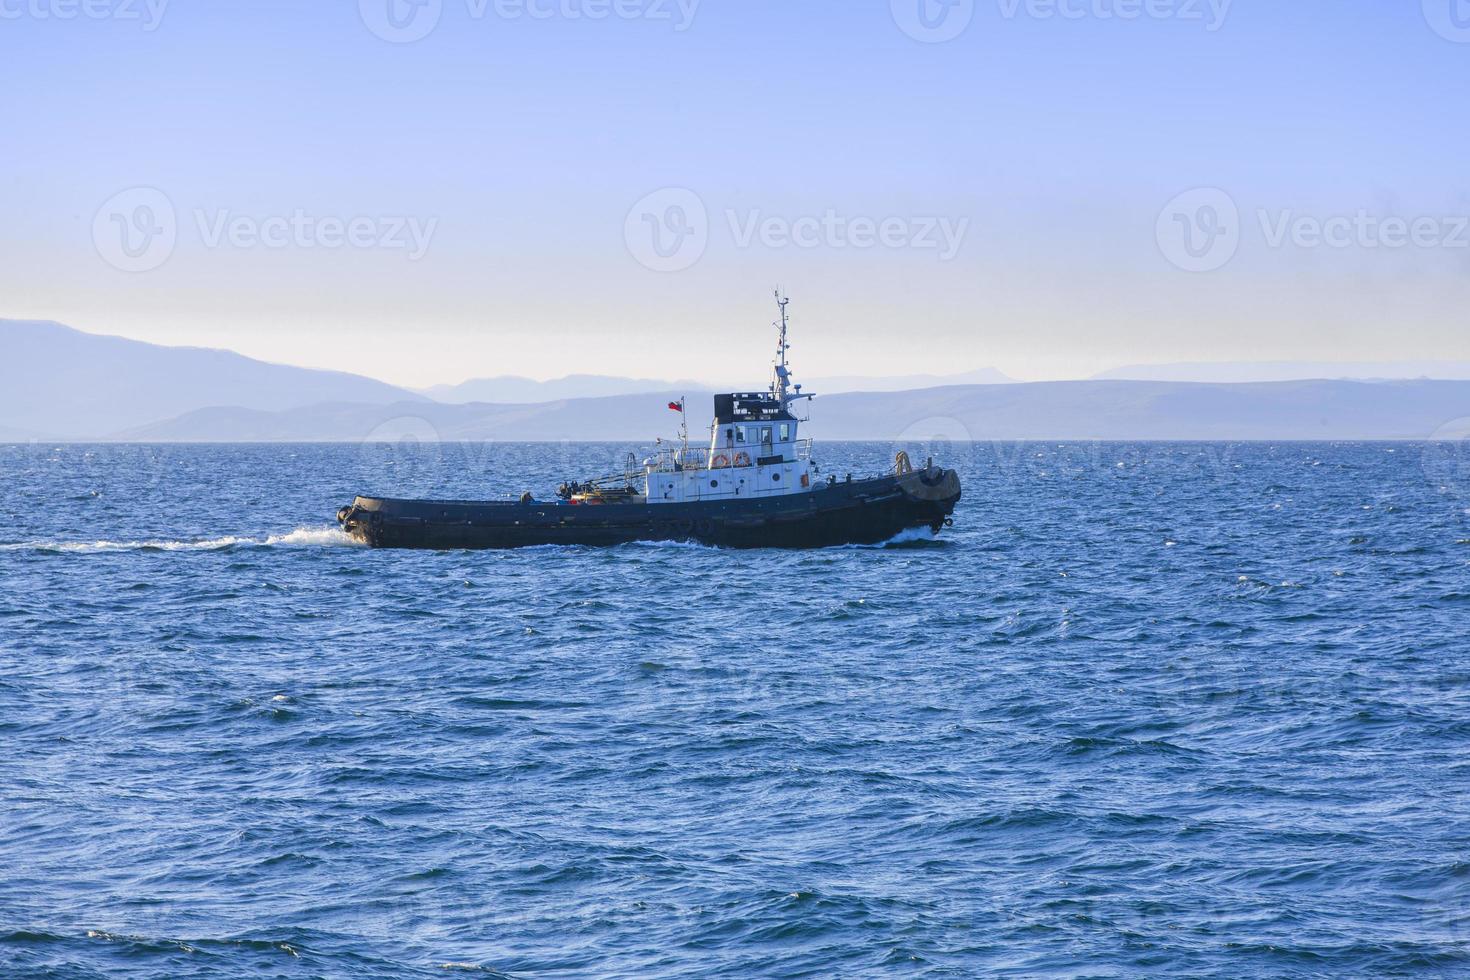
756, 486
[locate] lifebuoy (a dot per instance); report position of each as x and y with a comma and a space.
721, 461
742, 459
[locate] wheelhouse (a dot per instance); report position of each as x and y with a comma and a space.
755, 424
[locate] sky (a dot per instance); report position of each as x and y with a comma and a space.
426, 191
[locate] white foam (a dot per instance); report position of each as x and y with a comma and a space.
669, 544
302, 537
908, 535
316, 537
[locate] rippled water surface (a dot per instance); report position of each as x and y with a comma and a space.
1147, 709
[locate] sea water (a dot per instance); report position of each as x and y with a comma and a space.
1145, 709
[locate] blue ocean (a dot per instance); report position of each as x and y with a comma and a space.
1146, 710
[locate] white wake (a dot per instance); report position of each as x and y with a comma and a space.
302, 537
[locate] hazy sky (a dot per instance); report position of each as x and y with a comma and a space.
432, 190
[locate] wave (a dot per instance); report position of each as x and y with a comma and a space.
302, 537
688, 545
316, 537
908, 537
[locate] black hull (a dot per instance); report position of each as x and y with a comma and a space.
858, 512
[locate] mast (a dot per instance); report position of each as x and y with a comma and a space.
781, 376
684, 427
781, 386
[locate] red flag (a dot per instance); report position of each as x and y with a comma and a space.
676, 406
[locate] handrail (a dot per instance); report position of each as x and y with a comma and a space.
698, 458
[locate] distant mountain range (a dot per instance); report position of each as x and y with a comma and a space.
514, 390
904, 382
1239, 372
58, 383
1073, 410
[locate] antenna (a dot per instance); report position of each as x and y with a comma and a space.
781, 375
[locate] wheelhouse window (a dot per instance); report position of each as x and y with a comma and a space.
785, 431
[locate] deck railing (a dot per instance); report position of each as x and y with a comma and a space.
670, 460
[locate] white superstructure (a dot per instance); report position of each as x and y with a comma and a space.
755, 448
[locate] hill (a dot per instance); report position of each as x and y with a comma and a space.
56, 382
1072, 410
